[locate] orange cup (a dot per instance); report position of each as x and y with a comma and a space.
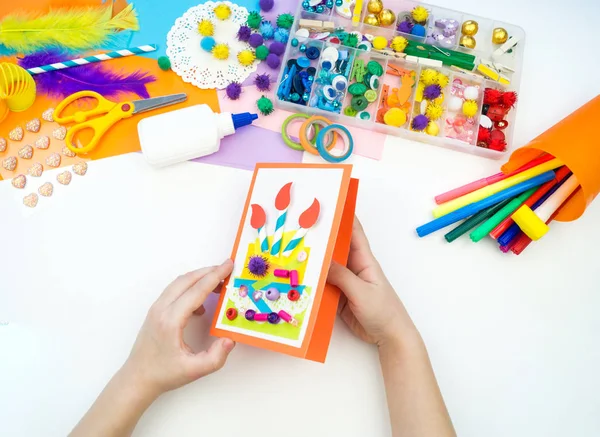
575, 140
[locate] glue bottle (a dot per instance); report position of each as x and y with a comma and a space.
187, 133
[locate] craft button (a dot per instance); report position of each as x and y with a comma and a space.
350, 112
364, 115
303, 62
302, 255
231, 313
312, 53
293, 295
375, 68
371, 95
357, 89
311, 71
359, 103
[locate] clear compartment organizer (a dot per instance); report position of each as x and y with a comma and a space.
449, 132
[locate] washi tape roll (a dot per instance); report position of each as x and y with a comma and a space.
324, 152
319, 121
286, 137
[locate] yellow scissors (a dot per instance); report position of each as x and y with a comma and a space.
107, 113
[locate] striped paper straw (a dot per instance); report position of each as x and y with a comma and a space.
91, 59
294, 242
262, 237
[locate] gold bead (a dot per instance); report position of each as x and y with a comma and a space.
470, 28
375, 6
468, 41
387, 17
371, 20
499, 35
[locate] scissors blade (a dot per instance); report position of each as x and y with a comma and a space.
157, 102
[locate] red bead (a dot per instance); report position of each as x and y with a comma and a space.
502, 124
231, 313
293, 295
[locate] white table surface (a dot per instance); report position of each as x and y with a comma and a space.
513, 339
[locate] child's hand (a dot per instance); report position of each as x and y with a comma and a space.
369, 305
160, 360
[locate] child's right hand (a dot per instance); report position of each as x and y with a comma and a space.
369, 305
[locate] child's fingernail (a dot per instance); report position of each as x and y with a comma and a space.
227, 261
228, 344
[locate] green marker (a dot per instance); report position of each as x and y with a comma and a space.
494, 221
474, 220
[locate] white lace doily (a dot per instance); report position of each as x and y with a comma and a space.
199, 67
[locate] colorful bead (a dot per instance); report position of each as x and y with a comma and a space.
280, 273
294, 278
288, 318
261, 317
243, 291
293, 295
257, 295
231, 313
273, 318
272, 294
249, 315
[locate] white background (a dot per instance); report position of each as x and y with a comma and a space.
513, 340
308, 184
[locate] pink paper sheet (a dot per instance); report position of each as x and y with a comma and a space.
366, 143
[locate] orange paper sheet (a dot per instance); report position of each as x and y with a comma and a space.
574, 140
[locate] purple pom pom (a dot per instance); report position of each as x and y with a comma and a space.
432, 92
420, 122
277, 47
266, 5
262, 82
233, 90
258, 265
405, 27
244, 33
273, 60
255, 40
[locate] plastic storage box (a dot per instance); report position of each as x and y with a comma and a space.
403, 75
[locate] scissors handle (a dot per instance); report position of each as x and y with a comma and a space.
103, 107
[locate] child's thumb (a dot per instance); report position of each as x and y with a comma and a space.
215, 357
345, 280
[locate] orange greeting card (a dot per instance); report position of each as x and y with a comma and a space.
298, 219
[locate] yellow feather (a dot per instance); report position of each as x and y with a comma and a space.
73, 29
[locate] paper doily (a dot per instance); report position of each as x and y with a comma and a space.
199, 67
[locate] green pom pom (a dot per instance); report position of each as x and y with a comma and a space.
262, 52
164, 63
285, 21
254, 20
265, 105
351, 40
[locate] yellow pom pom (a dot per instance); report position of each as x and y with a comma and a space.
246, 57
429, 76
434, 111
432, 129
206, 28
222, 11
221, 51
470, 108
420, 14
394, 117
442, 80
379, 43
399, 43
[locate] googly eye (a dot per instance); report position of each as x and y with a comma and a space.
329, 92
365, 45
339, 82
374, 82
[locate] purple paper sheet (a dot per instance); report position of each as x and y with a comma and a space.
249, 146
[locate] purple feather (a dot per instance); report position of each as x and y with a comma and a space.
90, 77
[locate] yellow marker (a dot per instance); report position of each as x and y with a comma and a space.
357, 11
484, 192
530, 223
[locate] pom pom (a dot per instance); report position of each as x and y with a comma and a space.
244, 33
255, 40
442, 80
429, 76
262, 82
273, 60
484, 135
432, 92
266, 5
434, 111
420, 14
351, 40
262, 52
207, 43
221, 51
399, 43
285, 21
418, 30
258, 266
497, 144
509, 99
254, 19
277, 47
222, 11
164, 63
246, 57
206, 28
420, 122
491, 96
266, 30
265, 105
405, 27
233, 90
281, 35
470, 108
